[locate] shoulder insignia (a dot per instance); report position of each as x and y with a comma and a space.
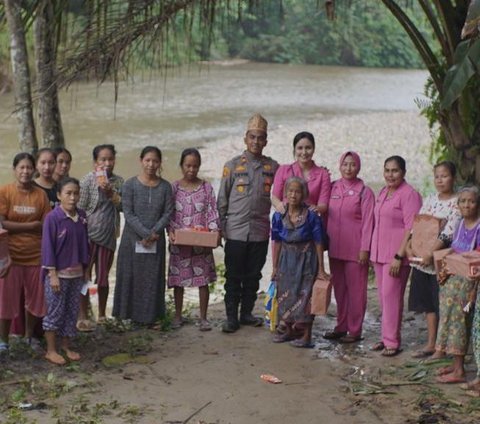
226, 171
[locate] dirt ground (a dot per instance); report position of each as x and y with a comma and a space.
188, 376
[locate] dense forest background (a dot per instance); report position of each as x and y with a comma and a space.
281, 31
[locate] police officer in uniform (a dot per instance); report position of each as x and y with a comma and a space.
244, 207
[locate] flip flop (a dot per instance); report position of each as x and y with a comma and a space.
205, 326
85, 326
302, 344
420, 354
176, 324
377, 347
449, 379
390, 352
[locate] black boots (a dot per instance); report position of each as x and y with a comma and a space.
231, 324
249, 319
246, 318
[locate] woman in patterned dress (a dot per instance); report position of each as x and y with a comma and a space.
192, 266
297, 262
455, 321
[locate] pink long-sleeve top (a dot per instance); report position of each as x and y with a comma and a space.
393, 216
319, 184
350, 219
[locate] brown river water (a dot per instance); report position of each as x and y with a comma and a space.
195, 105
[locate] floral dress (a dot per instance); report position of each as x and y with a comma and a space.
192, 266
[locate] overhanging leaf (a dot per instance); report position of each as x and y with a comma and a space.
473, 19
457, 76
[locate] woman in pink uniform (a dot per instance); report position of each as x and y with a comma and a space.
396, 206
317, 177
350, 226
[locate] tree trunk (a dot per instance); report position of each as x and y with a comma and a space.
466, 148
45, 62
21, 75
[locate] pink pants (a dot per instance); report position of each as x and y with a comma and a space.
390, 295
349, 281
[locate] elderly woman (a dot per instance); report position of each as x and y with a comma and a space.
317, 177
350, 227
456, 292
23, 207
297, 261
395, 208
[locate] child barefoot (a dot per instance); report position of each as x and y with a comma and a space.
64, 259
192, 266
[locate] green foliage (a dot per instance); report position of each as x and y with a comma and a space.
467, 59
293, 31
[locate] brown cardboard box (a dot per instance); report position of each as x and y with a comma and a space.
438, 257
321, 297
187, 237
464, 264
425, 231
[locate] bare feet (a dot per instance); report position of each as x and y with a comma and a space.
55, 358
72, 355
444, 370
450, 378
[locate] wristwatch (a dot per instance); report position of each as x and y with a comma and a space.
398, 257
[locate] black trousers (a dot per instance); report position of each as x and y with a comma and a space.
244, 261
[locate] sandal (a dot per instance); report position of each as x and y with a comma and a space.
205, 325
85, 326
389, 352
350, 339
377, 347
176, 324
334, 335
